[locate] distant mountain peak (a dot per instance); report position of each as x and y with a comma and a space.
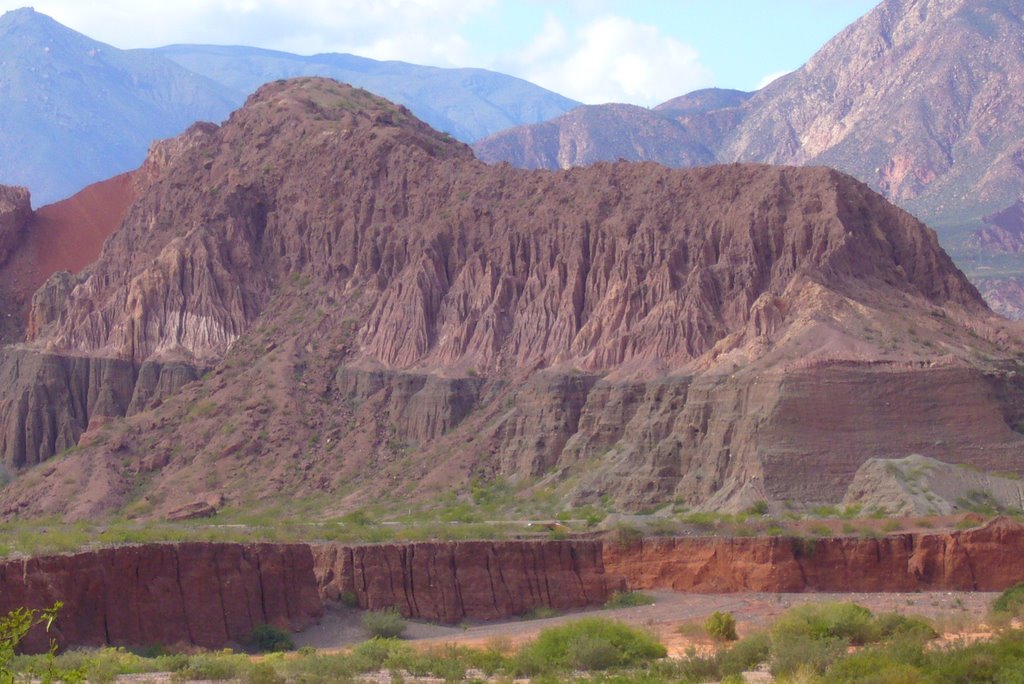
29, 17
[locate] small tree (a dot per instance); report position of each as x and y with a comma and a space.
13, 628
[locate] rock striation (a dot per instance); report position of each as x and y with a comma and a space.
388, 312
984, 559
213, 595
199, 594
449, 582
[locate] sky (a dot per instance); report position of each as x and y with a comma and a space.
638, 51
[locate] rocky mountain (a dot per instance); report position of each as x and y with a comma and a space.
1003, 231
467, 103
326, 298
597, 133
678, 133
78, 111
920, 99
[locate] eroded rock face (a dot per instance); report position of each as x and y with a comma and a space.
186, 594
213, 595
411, 313
449, 582
15, 212
985, 559
51, 399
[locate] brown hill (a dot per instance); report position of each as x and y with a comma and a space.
64, 236
385, 317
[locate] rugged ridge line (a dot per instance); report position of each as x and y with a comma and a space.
390, 314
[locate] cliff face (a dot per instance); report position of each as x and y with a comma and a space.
202, 594
213, 595
976, 560
479, 580
389, 313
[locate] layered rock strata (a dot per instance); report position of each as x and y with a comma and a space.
985, 559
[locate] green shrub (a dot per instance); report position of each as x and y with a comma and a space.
384, 624
896, 625
721, 626
211, 666
845, 621
797, 651
758, 508
263, 673
628, 599
1011, 601
270, 639
588, 644
746, 654
375, 653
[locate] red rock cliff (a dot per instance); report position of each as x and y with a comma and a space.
202, 594
482, 580
986, 559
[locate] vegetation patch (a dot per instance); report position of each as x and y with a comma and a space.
384, 624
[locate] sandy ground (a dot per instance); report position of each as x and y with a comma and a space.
953, 612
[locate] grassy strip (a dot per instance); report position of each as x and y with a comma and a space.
831, 642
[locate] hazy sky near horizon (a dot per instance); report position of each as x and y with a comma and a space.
643, 51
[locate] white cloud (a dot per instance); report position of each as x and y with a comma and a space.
424, 31
612, 59
771, 78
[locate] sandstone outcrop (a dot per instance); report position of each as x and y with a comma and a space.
388, 313
213, 595
985, 559
449, 582
175, 594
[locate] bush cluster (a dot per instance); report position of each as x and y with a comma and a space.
384, 624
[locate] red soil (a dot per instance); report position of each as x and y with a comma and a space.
64, 236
